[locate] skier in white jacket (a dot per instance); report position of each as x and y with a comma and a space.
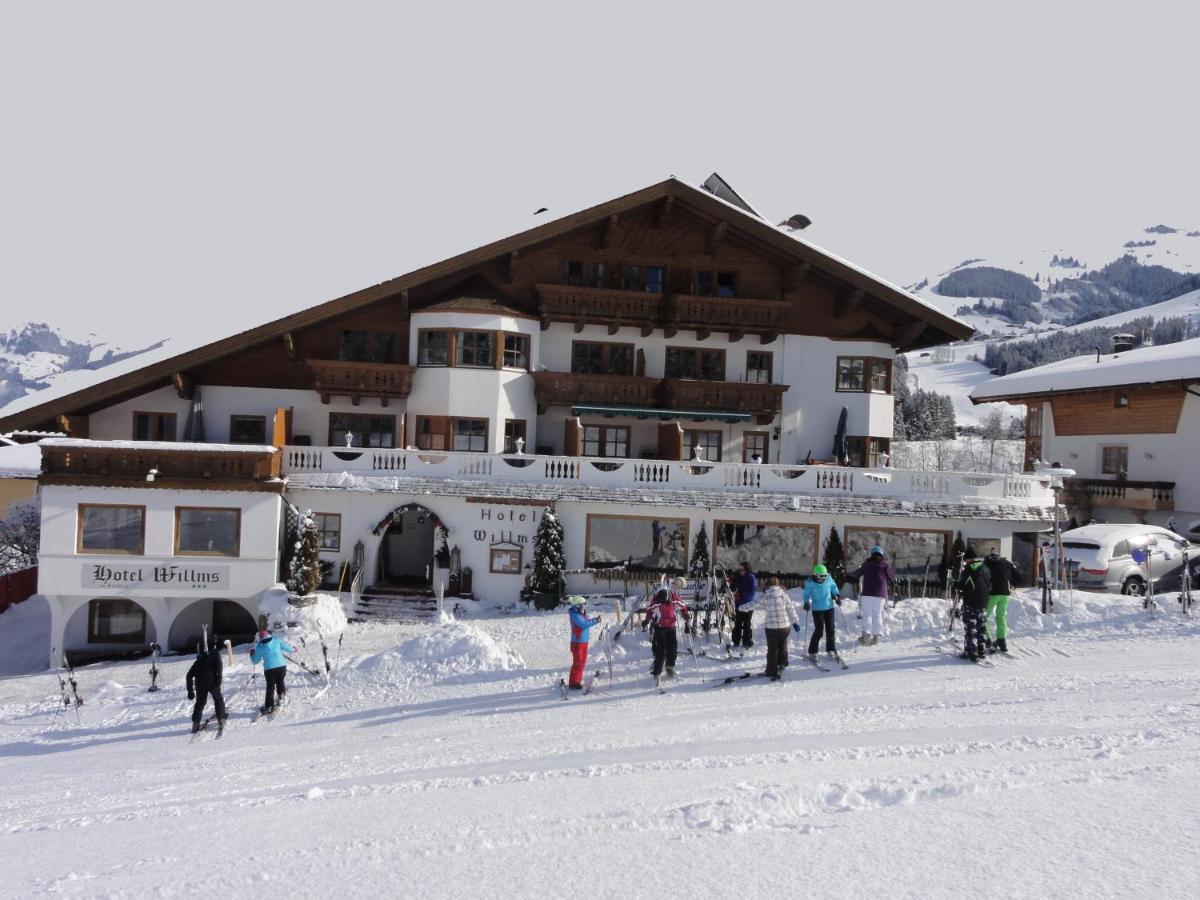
781, 614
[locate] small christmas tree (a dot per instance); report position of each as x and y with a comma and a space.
835, 557
304, 567
548, 559
954, 568
700, 561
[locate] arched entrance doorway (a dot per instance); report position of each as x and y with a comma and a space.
225, 619
408, 545
108, 628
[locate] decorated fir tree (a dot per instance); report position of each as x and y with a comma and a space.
304, 566
548, 559
834, 557
954, 568
700, 562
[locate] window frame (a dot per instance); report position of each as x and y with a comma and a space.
521, 432
490, 362
510, 549
174, 418
868, 364
372, 336
697, 362
770, 370
362, 432
689, 446
602, 440
262, 420
1122, 452
606, 348
93, 609
715, 276
526, 345
422, 333
867, 449
79, 517
766, 437
452, 432
322, 531
237, 537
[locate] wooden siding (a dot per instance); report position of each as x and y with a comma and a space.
1153, 409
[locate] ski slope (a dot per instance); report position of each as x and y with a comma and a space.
956, 378
442, 763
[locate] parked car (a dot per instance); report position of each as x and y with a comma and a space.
1101, 558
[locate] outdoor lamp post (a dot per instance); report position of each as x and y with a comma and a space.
1056, 472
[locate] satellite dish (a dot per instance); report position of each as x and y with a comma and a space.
798, 222
541, 210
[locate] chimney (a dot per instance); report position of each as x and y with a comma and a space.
1122, 342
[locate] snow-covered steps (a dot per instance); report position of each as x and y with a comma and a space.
395, 606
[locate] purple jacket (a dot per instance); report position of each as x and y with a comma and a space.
745, 586
877, 576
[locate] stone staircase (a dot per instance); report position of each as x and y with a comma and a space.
383, 603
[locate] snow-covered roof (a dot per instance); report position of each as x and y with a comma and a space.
21, 461
1146, 365
157, 446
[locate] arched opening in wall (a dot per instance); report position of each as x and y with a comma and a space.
226, 619
108, 628
407, 548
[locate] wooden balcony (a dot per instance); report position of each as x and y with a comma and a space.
1139, 495
565, 388
598, 306
735, 315
763, 401
160, 465
360, 379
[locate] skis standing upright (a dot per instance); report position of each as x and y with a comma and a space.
325, 654
154, 648
75, 698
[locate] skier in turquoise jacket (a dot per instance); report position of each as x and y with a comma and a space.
270, 652
820, 595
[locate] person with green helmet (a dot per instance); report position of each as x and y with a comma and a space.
820, 595
581, 632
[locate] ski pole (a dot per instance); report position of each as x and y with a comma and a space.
292, 659
338, 659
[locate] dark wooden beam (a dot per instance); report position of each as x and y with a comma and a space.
736, 335
908, 333
289, 345
614, 327
766, 337
795, 276
611, 230
662, 212
511, 275
404, 302
716, 236
670, 330
184, 386
844, 304
647, 330
703, 333
578, 327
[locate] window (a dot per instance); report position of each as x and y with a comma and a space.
593, 275
111, 529
850, 373
573, 273
758, 367
1033, 435
695, 363
329, 530
475, 348
596, 358
505, 560
868, 452
606, 440
151, 426
367, 346
755, 443
1120, 399
247, 429
1114, 461
516, 351
363, 430
116, 622
470, 435
708, 442
654, 279
433, 348
716, 284
207, 532
513, 429
631, 278
643, 278
1121, 549
864, 373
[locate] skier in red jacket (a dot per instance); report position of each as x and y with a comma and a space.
581, 631
663, 617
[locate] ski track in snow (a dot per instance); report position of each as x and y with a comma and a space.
910, 773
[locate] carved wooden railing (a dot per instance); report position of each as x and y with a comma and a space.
733, 314
763, 401
604, 306
360, 379
67, 461
573, 387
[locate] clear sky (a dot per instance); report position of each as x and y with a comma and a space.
171, 169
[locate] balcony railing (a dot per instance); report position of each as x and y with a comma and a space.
1145, 495
151, 465
764, 401
733, 314
584, 305
574, 387
670, 474
360, 379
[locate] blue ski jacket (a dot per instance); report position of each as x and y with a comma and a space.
270, 652
581, 626
821, 594
745, 586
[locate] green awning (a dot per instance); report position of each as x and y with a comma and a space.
651, 412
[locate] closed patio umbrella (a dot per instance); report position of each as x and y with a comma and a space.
194, 430
840, 448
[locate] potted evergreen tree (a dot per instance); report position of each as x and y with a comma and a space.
834, 557
700, 564
545, 582
304, 563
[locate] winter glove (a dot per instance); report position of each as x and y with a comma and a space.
838, 601
191, 695
796, 627
807, 607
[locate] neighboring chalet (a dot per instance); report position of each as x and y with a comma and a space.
1127, 422
659, 365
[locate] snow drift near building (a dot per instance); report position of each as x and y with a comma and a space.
447, 650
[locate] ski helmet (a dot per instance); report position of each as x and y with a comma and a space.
819, 570
877, 551
576, 600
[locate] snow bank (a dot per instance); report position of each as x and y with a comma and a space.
25, 637
444, 651
325, 616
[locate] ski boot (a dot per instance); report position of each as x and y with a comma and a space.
195, 727
657, 681
670, 671
874, 639
1002, 645
864, 639
813, 658
970, 657
220, 727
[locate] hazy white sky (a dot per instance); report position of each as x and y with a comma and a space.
172, 168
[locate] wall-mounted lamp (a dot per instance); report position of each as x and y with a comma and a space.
1148, 455
1074, 456
152, 474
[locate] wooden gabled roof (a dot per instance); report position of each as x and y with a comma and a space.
929, 324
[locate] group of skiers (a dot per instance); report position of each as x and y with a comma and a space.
983, 586
204, 677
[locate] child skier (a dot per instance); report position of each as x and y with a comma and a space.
270, 652
974, 586
781, 613
745, 588
820, 595
663, 617
581, 628
204, 681
1004, 578
877, 578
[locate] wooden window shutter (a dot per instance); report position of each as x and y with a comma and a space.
573, 437
670, 441
640, 364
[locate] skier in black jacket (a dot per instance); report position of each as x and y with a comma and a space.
203, 680
1004, 578
974, 586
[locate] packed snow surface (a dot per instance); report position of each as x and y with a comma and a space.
441, 762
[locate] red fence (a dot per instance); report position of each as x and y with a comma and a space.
17, 586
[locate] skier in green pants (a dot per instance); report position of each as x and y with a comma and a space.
1004, 578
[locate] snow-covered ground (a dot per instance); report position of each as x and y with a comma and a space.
957, 378
442, 763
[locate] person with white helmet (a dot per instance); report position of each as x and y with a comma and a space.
581, 632
878, 578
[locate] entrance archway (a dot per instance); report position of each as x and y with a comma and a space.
108, 628
226, 619
407, 546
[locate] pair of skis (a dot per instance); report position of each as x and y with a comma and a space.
837, 657
70, 697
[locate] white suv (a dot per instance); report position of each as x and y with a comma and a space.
1100, 558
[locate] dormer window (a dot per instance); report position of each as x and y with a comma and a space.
367, 346
713, 283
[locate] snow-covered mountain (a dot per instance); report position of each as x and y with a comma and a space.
33, 354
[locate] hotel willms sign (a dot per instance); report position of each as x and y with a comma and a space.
155, 576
